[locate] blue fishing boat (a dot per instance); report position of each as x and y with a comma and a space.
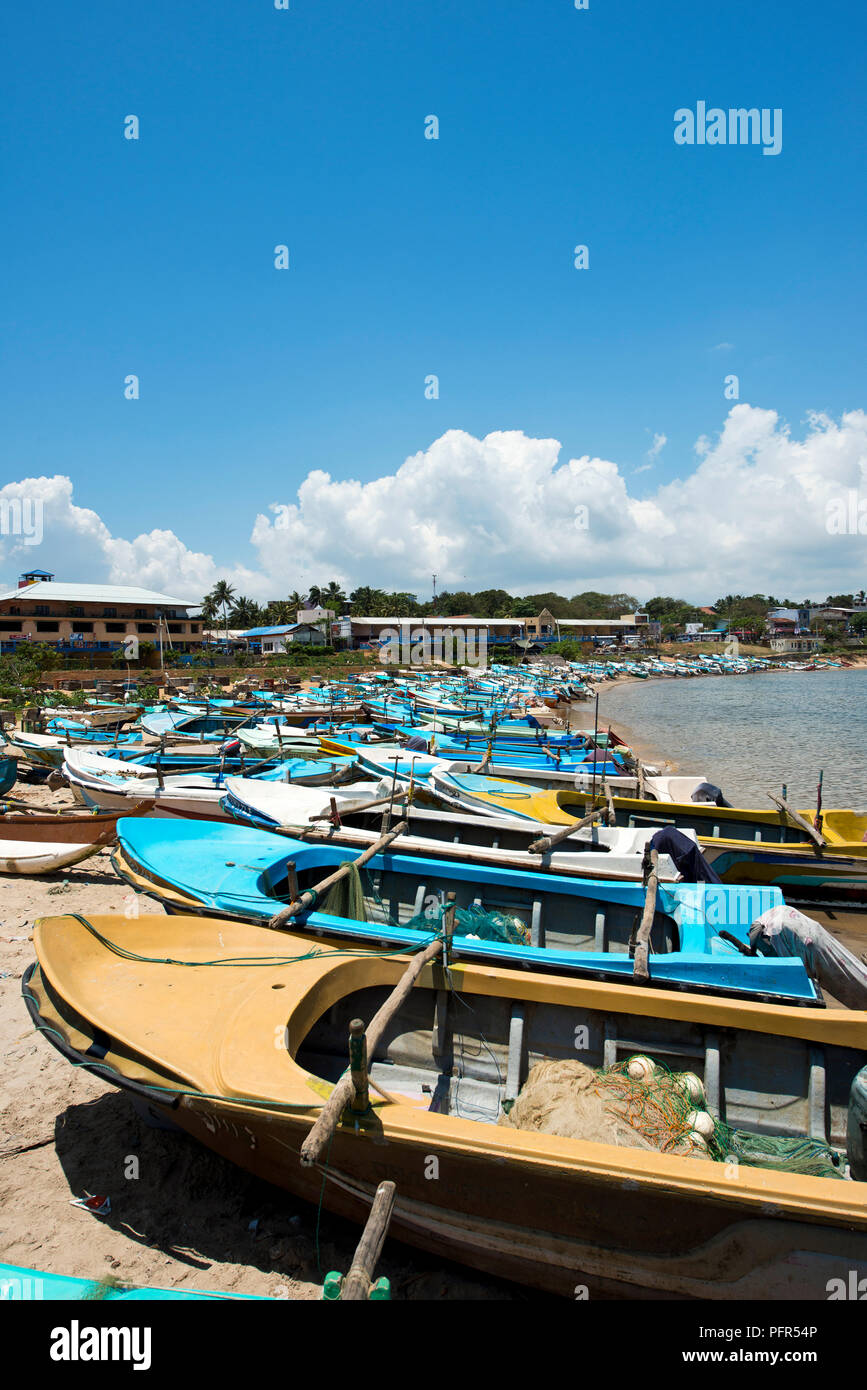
17, 1283
8, 774
529, 920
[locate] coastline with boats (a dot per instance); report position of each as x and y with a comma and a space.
499, 837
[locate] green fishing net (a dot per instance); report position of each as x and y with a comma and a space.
668, 1109
350, 896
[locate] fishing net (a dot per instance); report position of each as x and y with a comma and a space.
476, 922
345, 898
357, 898
639, 1103
668, 1109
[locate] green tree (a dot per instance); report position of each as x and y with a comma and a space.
245, 613
332, 596
223, 595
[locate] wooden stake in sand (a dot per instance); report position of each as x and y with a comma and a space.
356, 1285
310, 896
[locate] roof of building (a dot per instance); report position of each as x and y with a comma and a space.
436, 622
276, 631
598, 622
95, 593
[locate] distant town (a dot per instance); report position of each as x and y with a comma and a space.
105, 620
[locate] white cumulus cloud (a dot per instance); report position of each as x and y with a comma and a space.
506, 511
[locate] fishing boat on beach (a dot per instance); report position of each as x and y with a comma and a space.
743, 845
239, 1037
531, 920
34, 843
596, 851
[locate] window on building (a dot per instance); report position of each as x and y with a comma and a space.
76, 611
14, 609
175, 627
146, 627
83, 627
115, 627
10, 627
109, 612
41, 610
194, 627
140, 613
48, 627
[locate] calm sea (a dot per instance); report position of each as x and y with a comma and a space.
751, 734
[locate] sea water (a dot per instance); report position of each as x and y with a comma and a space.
753, 734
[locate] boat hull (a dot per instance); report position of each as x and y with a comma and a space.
243, 1069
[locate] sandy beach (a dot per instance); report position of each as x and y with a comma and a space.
187, 1219
181, 1217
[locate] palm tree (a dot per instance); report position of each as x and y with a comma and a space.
208, 608
245, 612
314, 598
333, 596
223, 594
279, 612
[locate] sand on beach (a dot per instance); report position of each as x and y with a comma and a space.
181, 1217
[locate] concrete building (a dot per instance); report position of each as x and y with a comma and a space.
276, 639
83, 619
790, 644
360, 632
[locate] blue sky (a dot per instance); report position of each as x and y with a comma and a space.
411, 256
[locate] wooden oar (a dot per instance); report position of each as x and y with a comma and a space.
310, 896
547, 842
329, 1116
640, 970
802, 824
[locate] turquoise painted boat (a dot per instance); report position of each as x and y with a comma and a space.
539, 921
8, 774
18, 1284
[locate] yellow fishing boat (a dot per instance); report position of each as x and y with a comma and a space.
239, 1036
745, 845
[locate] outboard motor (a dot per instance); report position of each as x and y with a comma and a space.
230, 747
416, 744
707, 794
686, 856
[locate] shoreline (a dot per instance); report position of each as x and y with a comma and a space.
649, 752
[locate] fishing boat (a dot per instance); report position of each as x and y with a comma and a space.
187, 724
8, 772
459, 785
425, 768
48, 750
35, 843
109, 785
594, 852
742, 845
528, 919
240, 1037
18, 1283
